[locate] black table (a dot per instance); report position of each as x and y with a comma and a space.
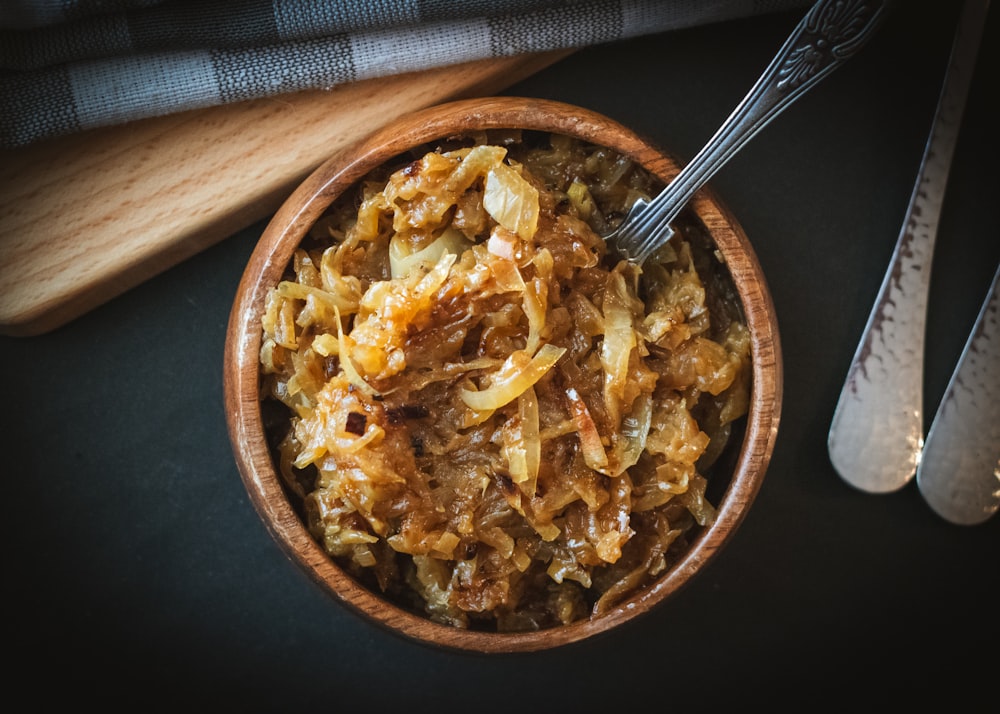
137, 571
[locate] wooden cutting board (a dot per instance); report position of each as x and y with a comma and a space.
84, 218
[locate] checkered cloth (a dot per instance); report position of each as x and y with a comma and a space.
70, 65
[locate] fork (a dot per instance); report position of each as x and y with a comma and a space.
831, 32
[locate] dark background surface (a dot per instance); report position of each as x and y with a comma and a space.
137, 571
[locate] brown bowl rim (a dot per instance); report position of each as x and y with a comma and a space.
307, 202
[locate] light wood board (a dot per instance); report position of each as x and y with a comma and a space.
85, 218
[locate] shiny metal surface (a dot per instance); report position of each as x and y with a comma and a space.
959, 470
831, 32
877, 431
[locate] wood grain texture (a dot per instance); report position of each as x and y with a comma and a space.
241, 376
84, 218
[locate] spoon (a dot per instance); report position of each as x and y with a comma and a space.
959, 470
830, 33
877, 430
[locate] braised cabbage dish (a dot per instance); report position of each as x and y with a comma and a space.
476, 409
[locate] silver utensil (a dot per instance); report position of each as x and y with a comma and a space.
959, 470
831, 32
876, 434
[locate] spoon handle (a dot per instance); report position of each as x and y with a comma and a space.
876, 434
831, 32
959, 470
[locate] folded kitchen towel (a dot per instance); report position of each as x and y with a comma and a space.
70, 65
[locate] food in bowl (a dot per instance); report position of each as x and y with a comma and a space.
479, 411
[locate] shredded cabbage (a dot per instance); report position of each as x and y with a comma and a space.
485, 415
403, 260
511, 201
518, 372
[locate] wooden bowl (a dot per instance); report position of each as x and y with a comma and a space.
292, 222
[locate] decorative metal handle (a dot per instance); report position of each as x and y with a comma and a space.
831, 32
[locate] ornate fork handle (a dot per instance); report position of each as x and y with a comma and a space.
830, 33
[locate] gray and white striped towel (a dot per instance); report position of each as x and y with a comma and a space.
70, 65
